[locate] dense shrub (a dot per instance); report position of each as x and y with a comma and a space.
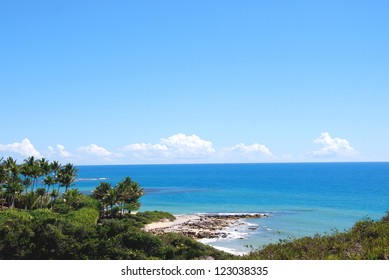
367, 239
79, 234
43, 234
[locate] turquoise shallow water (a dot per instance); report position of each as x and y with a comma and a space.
301, 198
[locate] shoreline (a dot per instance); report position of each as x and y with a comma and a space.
206, 227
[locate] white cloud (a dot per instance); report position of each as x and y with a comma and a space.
182, 145
333, 147
255, 148
145, 147
24, 148
62, 152
246, 153
178, 146
191, 148
95, 150
58, 150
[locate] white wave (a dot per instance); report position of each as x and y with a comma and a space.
230, 250
91, 179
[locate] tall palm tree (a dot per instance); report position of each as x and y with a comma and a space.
129, 193
3, 172
2, 198
55, 168
12, 168
111, 200
13, 191
41, 192
27, 168
67, 176
53, 195
45, 168
48, 181
30, 200
72, 198
101, 193
33, 169
27, 182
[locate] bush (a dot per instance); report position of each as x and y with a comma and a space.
83, 217
367, 239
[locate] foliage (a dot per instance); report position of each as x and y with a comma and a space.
38, 221
118, 200
44, 234
35, 183
367, 239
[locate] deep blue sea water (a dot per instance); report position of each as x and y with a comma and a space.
301, 198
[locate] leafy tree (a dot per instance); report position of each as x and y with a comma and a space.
101, 194
3, 172
2, 197
49, 181
67, 176
72, 198
27, 182
53, 195
41, 192
31, 169
13, 191
128, 193
30, 200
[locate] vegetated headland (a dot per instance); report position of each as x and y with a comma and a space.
41, 217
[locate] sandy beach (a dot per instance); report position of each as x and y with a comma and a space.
201, 226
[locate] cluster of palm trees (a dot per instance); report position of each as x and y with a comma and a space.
120, 199
36, 183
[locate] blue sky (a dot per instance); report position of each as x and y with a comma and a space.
106, 82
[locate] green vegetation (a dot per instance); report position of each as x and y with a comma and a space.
39, 221
36, 184
366, 240
44, 234
115, 201
41, 217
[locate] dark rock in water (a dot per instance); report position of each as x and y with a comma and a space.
210, 225
238, 216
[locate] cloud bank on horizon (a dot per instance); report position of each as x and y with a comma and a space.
180, 148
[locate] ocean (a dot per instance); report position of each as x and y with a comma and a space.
301, 198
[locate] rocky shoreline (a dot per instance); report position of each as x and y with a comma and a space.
202, 226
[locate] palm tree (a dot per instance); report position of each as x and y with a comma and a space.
72, 198
67, 176
55, 168
28, 169
101, 193
30, 200
49, 181
129, 193
27, 182
111, 199
33, 169
13, 190
2, 199
41, 192
12, 168
3, 172
53, 195
45, 168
